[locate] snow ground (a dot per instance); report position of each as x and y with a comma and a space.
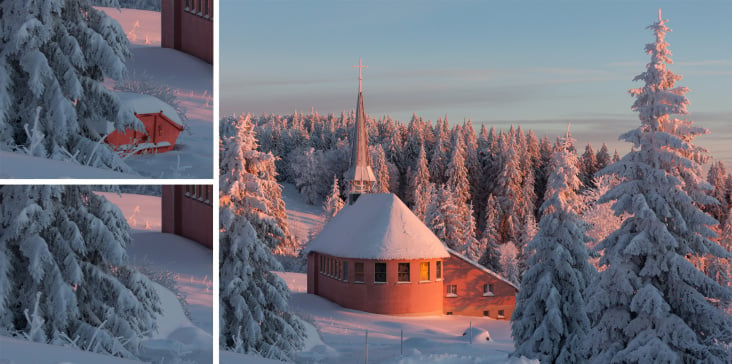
181, 337
337, 335
17, 165
192, 80
301, 216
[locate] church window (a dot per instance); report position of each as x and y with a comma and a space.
451, 290
438, 270
379, 272
501, 314
345, 271
403, 271
358, 272
424, 271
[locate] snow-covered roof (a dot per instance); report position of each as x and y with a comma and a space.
478, 266
144, 104
377, 226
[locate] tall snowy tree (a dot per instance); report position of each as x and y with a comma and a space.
250, 176
253, 300
491, 256
63, 248
54, 58
333, 203
550, 322
381, 170
650, 301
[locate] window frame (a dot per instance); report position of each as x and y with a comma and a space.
438, 270
357, 272
451, 290
377, 272
400, 273
421, 270
488, 290
345, 271
501, 314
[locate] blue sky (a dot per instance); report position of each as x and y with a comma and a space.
538, 64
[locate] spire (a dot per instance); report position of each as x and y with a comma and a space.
360, 176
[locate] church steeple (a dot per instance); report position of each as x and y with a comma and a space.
360, 176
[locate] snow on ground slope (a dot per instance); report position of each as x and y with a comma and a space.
301, 217
192, 80
341, 334
18, 165
16, 351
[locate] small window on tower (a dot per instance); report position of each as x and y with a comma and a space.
403, 270
379, 272
424, 271
358, 272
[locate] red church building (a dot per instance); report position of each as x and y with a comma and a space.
376, 256
162, 126
187, 25
187, 211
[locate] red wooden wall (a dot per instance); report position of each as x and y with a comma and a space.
187, 211
187, 25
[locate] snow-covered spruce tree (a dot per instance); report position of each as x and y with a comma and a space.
491, 257
253, 300
333, 203
63, 248
550, 322
249, 176
650, 302
54, 57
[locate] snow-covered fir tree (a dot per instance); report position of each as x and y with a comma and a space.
491, 257
249, 175
333, 203
253, 301
550, 322
650, 302
599, 217
381, 169
62, 248
54, 58
419, 180
509, 264
253, 312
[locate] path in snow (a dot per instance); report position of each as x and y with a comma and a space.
301, 217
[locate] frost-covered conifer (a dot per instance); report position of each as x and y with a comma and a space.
380, 168
253, 300
457, 173
491, 257
63, 248
248, 175
54, 57
333, 203
650, 302
550, 322
419, 179
253, 312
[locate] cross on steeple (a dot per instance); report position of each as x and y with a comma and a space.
360, 77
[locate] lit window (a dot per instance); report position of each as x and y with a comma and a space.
500, 314
487, 289
403, 270
379, 272
451, 290
424, 271
358, 272
345, 271
438, 270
